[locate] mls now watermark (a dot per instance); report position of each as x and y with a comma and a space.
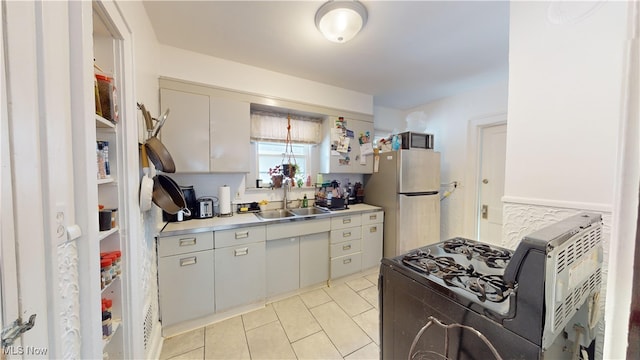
25, 350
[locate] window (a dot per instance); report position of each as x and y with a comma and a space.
270, 154
269, 133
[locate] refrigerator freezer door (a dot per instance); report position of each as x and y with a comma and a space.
418, 222
418, 171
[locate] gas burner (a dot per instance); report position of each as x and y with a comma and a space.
493, 257
486, 287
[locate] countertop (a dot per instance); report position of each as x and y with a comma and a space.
250, 219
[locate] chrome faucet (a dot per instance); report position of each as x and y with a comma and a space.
286, 185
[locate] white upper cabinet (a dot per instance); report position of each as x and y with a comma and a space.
229, 128
204, 132
350, 160
185, 134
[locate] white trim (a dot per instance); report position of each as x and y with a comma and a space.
603, 208
472, 174
625, 203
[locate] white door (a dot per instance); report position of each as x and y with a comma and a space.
37, 192
492, 163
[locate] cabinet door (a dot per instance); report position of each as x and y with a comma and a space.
185, 134
186, 286
371, 245
239, 275
333, 162
314, 259
229, 133
283, 265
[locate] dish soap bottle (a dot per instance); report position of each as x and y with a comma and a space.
305, 201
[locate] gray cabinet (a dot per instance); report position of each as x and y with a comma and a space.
345, 250
239, 267
314, 259
372, 230
283, 265
186, 287
185, 134
205, 132
297, 255
229, 124
336, 162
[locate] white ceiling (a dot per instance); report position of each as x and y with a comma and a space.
409, 52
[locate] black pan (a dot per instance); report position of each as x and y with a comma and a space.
168, 196
159, 155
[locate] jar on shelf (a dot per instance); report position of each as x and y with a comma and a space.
107, 326
105, 270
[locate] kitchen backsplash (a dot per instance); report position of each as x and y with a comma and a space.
208, 184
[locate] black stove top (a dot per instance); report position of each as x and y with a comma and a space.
471, 269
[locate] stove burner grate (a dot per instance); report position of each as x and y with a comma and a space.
485, 287
493, 257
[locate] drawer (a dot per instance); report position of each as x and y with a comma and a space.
341, 222
373, 217
233, 237
352, 233
181, 244
345, 248
345, 265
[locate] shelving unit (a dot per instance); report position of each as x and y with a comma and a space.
110, 191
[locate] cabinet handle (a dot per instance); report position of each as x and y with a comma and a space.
346, 247
242, 235
188, 261
187, 242
346, 234
241, 252
346, 221
373, 217
346, 261
373, 229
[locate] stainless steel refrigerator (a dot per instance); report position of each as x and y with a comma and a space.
407, 186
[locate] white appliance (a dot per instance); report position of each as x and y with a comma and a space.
407, 186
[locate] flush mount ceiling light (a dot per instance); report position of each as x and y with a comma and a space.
340, 21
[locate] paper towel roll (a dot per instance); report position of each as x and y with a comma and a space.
224, 198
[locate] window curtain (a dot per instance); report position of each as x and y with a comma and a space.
267, 126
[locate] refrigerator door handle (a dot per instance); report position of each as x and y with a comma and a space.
424, 193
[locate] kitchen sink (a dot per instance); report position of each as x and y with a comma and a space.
275, 214
308, 211
282, 213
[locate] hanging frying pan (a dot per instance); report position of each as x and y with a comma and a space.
156, 151
168, 196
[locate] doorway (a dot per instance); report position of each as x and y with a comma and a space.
493, 146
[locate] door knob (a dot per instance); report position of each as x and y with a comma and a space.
485, 181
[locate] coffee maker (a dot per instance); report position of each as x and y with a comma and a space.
190, 201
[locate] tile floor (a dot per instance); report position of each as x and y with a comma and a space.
337, 322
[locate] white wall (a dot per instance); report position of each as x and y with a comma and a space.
204, 69
387, 120
448, 120
566, 101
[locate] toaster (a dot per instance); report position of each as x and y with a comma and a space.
204, 208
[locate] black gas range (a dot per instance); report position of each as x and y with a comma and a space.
463, 299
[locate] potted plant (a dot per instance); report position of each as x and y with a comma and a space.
276, 176
289, 170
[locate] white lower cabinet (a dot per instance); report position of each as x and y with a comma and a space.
283, 265
297, 255
372, 226
314, 259
186, 286
239, 267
